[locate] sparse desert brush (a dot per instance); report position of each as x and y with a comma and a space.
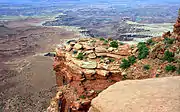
169, 40
80, 56
82, 97
102, 39
105, 41
146, 67
125, 64
171, 68
111, 59
143, 50
150, 42
168, 56
132, 59
114, 44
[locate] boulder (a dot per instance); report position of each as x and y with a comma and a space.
110, 49
87, 47
89, 72
102, 66
89, 64
92, 56
149, 95
102, 72
100, 49
110, 55
78, 46
88, 52
134, 50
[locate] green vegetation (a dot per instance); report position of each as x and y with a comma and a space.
157, 75
105, 41
143, 50
132, 59
146, 67
82, 97
114, 44
102, 39
150, 42
111, 59
80, 56
168, 40
171, 68
125, 64
168, 56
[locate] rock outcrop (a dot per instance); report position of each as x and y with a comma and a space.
87, 66
176, 30
150, 95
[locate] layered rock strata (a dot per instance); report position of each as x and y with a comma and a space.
86, 67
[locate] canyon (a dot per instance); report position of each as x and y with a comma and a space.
87, 66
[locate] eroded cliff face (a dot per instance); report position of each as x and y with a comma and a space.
84, 68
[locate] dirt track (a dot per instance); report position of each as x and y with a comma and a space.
27, 81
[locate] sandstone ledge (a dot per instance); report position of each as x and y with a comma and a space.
149, 95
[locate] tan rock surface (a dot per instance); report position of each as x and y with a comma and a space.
150, 95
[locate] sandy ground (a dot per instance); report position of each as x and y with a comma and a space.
27, 80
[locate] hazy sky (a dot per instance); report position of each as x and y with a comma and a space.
147, 1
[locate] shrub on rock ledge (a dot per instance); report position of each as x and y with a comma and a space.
171, 68
150, 42
102, 39
132, 59
143, 50
146, 67
105, 41
80, 56
125, 64
114, 44
168, 40
168, 56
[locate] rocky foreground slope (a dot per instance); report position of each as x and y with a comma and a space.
87, 66
149, 95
